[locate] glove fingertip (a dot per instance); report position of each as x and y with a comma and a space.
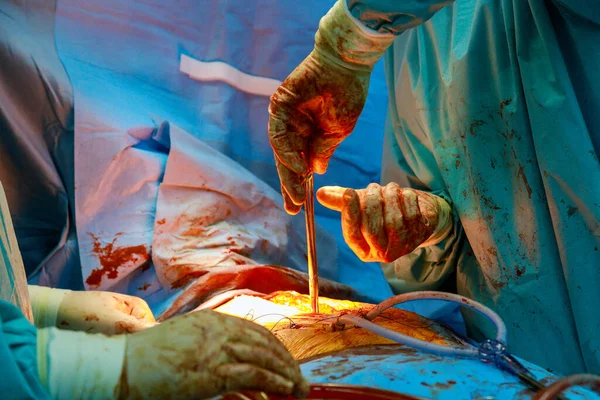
288, 203
291, 208
331, 197
319, 166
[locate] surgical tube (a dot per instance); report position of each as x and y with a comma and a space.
437, 349
430, 295
407, 340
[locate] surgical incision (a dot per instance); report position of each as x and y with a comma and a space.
288, 315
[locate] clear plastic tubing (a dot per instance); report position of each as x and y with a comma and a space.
437, 349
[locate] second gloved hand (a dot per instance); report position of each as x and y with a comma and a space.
90, 311
205, 353
317, 106
382, 224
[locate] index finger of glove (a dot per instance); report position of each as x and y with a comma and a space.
331, 197
288, 203
293, 189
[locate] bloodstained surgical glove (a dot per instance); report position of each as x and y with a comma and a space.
382, 224
93, 311
203, 354
317, 106
195, 356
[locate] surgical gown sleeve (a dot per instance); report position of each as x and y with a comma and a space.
426, 268
393, 16
18, 356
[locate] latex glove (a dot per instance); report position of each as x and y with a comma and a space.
318, 105
382, 224
196, 356
95, 312
203, 354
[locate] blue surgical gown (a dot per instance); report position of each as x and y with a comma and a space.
18, 354
494, 106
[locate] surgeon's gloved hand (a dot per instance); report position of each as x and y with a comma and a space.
203, 354
318, 105
384, 223
195, 356
94, 312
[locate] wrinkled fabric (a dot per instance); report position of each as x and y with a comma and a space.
36, 142
18, 349
156, 233
219, 209
18, 355
387, 16
493, 106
